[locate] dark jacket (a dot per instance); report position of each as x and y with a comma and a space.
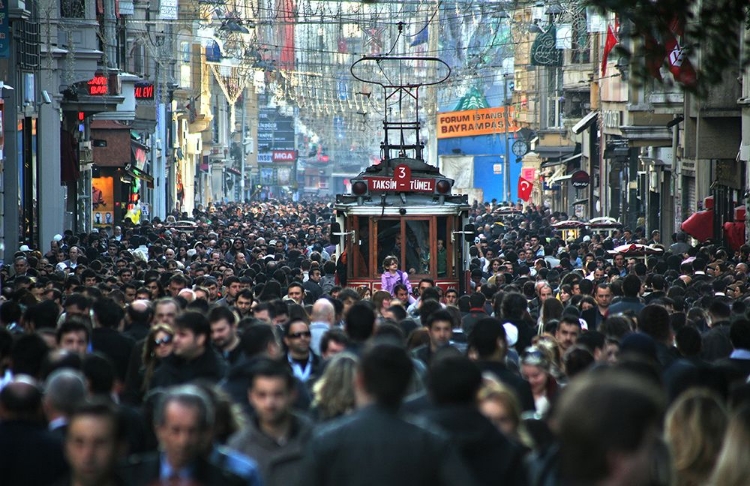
280, 464
374, 446
138, 330
175, 370
593, 318
313, 289
492, 458
469, 320
526, 332
24, 447
507, 377
116, 345
716, 343
145, 470
626, 304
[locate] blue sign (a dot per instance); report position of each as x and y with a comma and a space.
4, 30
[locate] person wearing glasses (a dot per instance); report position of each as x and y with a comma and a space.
158, 346
303, 361
193, 357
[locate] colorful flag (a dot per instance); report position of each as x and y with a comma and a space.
524, 188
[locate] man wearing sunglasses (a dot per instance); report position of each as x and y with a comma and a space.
303, 361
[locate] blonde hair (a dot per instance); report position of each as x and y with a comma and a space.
494, 390
694, 431
733, 464
334, 392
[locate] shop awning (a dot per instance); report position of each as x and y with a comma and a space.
550, 151
552, 163
585, 122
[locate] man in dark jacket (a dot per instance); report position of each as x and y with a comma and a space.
107, 339
476, 312
24, 439
376, 446
453, 385
489, 341
184, 420
193, 355
440, 326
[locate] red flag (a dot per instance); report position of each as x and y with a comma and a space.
608, 46
524, 188
669, 49
679, 64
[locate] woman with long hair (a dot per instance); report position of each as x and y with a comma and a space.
564, 294
551, 309
500, 405
694, 431
158, 345
536, 368
333, 393
733, 464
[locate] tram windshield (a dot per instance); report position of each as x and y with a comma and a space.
421, 244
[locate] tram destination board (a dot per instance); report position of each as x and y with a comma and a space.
375, 184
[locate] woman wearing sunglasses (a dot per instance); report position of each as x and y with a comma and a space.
158, 346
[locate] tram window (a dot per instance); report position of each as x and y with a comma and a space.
442, 251
362, 248
389, 241
417, 247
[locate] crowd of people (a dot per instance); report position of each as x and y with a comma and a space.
230, 351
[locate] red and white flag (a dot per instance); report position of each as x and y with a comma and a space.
669, 49
524, 188
610, 44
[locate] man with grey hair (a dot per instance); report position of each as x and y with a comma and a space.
63, 391
322, 319
183, 422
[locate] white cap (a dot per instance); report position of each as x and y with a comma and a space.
511, 333
57, 237
587, 238
191, 252
24, 248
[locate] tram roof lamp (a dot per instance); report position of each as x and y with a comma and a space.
443, 187
359, 188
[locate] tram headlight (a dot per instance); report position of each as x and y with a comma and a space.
443, 186
359, 188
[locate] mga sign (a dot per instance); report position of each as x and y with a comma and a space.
284, 155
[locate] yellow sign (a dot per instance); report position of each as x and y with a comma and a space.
470, 123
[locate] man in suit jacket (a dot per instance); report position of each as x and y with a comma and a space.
24, 439
183, 419
372, 445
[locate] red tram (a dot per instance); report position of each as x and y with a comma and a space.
402, 206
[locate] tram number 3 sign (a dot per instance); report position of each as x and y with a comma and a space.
402, 176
